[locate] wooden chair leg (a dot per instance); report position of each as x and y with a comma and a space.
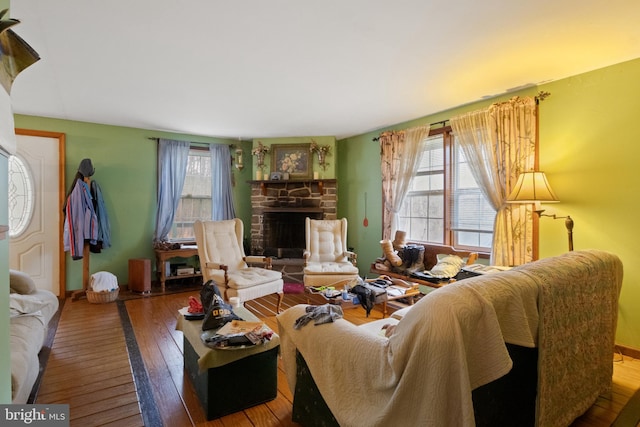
280, 297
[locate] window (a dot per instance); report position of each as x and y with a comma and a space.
21, 201
195, 202
444, 204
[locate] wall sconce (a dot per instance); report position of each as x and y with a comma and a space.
239, 165
322, 151
533, 187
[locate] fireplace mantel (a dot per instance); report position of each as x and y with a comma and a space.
264, 184
293, 209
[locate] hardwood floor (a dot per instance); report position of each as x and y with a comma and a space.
97, 368
88, 368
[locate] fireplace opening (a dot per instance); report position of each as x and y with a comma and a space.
284, 233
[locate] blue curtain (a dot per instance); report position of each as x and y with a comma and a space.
172, 167
221, 195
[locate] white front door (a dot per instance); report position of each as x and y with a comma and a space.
35, 212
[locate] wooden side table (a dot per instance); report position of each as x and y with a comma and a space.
399, 291
164, 255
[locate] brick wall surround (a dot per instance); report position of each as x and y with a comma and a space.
289, 196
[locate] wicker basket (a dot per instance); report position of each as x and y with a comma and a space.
102, 297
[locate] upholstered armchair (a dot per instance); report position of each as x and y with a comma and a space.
327, 260
222, 259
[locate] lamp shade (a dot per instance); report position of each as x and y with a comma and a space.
532, 187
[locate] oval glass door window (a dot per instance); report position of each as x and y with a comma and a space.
21, 202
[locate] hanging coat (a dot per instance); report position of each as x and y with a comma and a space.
104, 227
80, 222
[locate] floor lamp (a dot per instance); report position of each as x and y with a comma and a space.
533, 187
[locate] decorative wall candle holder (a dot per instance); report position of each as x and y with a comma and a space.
321, 151
239, 165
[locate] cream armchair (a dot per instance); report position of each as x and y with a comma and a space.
327, 260
222, 260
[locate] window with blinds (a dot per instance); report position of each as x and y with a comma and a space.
444, 204
472, 216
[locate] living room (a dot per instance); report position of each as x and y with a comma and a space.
583, 113
587, 147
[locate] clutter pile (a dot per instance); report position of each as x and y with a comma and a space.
222, 328
400, 257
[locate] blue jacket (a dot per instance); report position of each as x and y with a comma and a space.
104, 227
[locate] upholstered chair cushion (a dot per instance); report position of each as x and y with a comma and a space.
327, 260
252, 276
223, 260
222, 244
326, 241
330, 268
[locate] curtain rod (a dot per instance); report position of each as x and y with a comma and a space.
442, 122
541, 96
155, 138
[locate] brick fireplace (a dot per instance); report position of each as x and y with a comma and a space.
279, 209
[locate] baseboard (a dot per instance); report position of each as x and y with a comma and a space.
628, 351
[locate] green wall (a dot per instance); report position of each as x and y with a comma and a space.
589, 149
125, 160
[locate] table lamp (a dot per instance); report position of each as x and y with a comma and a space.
533, 187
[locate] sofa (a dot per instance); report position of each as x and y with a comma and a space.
30, 311
529, 346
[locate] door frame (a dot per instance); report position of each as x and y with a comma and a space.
61, 137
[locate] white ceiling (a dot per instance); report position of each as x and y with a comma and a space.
276, 68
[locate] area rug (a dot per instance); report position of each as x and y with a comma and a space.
293, 288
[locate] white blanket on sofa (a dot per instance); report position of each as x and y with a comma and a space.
29, 318
26, 305
447, 345
426, 370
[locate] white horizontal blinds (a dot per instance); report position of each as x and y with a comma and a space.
422, 214
472, 216
195, 202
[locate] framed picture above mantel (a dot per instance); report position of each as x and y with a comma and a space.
294, 159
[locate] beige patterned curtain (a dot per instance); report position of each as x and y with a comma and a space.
400, 153
500, 143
